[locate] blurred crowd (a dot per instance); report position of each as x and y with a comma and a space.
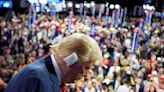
120, 71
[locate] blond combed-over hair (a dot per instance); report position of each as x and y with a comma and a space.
83, 45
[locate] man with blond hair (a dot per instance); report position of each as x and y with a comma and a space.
69, 61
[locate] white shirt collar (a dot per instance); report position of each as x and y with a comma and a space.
56, 67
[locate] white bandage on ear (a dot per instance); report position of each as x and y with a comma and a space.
71, 59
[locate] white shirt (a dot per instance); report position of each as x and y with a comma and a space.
90, 89
128, 43
112, 69
56, 67
137, 87
123, 88
117, 84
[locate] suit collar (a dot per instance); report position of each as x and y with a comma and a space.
53, 67
57, 68
49, 65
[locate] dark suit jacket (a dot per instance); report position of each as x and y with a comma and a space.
38, 76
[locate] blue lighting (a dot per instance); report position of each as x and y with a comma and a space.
148, 1
5, 4
54, 1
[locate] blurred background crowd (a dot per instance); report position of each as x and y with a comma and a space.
121, 70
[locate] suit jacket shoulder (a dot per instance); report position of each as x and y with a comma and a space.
34, 78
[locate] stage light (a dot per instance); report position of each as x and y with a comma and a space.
117, 6
6, 5
88, 5
111, 6
70, 4
92, 3
77, 6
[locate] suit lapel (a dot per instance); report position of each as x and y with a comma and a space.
49, 65
52, 74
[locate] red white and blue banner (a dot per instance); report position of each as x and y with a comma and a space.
136, 33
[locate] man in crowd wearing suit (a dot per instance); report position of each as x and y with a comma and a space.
69, 61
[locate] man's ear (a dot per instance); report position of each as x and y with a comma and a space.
71, 59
